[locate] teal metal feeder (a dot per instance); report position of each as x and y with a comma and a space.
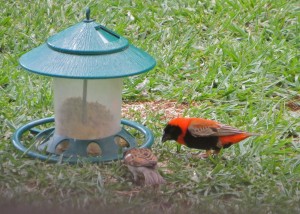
87, 62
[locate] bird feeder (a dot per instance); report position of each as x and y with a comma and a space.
88, 63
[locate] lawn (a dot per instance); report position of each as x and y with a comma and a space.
235, 61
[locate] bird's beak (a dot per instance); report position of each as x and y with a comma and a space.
165, 138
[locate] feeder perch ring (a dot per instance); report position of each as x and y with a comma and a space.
31, 126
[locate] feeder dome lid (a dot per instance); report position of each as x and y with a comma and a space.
87, 50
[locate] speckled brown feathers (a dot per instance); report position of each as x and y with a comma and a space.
140, 157
141, 162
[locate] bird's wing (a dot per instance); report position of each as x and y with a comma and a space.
211, 128
140, 157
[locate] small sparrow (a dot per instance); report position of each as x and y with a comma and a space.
141, 162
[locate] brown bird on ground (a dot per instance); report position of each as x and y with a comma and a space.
142, 163
199, 133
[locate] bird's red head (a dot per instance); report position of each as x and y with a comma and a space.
176, 129
179, 122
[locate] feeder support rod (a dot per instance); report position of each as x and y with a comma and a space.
84, 113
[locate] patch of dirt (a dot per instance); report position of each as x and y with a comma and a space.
294, 104
168, 109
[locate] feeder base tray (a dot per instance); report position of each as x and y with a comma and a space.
55, 148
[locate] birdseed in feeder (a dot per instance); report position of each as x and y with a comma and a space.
83, 120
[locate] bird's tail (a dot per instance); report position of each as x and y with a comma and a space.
153, 177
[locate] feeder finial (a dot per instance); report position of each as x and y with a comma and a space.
87, 14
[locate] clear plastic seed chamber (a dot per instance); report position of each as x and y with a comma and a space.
87, 109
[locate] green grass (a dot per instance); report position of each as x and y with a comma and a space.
237, 60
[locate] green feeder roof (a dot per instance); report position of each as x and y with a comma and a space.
87, 50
